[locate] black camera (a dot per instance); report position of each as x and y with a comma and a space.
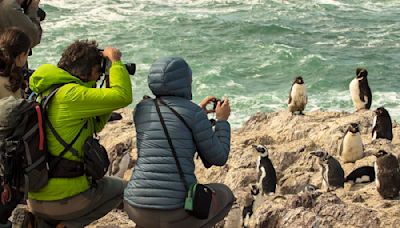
27, 73
40, 13
106, 65
216, 102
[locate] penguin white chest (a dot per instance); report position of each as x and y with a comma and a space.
377, 175
325, 176
374, 131
355, 94
352, 147
123, 165
299, 95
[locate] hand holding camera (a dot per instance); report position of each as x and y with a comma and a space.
222, 109
34, 5
113, 54
207, 101
110, 55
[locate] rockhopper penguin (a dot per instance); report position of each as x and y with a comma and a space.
266, 181
331, 171
387, 175
382, 125
360, 91
297, 96
352, 147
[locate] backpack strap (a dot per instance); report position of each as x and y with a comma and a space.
67, 147
178, 165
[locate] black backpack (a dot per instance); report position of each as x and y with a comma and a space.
25, 164
22, 146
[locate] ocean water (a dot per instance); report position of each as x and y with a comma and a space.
248, 50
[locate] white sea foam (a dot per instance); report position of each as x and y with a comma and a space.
324, 38
310, 57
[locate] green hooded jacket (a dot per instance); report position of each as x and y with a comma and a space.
72, 106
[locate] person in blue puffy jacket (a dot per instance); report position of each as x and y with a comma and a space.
155, 195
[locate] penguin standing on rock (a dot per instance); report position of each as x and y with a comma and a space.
382, 125
249, 208
360, 91
297, 96
266, 182
331, 171
352, 147
387, 173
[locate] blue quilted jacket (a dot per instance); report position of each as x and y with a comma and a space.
155, 181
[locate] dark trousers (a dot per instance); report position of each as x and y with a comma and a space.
179, 218
7, 209
82, 209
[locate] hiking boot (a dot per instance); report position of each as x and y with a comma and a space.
22, 218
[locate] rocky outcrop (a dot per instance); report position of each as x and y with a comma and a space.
290, 139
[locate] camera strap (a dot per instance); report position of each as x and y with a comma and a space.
178, 165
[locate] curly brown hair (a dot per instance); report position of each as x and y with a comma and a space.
80, 57
13, 42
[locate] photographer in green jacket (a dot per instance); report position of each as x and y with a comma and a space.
78, 110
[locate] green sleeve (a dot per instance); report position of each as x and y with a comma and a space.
90, 102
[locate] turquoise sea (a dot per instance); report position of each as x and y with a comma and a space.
248, 50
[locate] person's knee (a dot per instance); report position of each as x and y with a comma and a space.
114, 186
223, 191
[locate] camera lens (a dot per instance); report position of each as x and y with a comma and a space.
41, 14
131, 67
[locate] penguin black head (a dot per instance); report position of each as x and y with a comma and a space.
354, 128
381, 153
254, 190
310, 188
322, 155
381, 111
361, 72
261, 149
298, 80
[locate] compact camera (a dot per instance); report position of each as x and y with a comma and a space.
216, 102
27, 73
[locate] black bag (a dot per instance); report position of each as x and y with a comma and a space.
198, 200
199, 196
96, 159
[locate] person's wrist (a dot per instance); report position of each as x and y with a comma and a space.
221, 118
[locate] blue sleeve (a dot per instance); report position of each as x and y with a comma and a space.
214, 146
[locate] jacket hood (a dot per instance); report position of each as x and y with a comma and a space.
49, 75
171, 76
